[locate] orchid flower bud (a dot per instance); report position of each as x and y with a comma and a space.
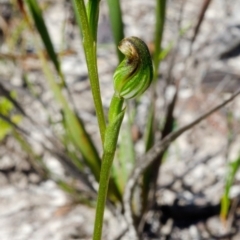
135, 73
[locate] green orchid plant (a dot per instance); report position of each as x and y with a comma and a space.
132, 77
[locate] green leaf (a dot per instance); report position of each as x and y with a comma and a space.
123, 165
159, 27
93, 14
148, 134
116, 22
42, 29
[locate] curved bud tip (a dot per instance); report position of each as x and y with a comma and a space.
135, 73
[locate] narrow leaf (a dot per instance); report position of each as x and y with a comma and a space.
42, 29
115, 15
126, 156
93, 14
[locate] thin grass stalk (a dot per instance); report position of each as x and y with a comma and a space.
42, 29
89, 45
115, 15
93, 15
125, 155
159, 27
150, 130
37, 16
36, 13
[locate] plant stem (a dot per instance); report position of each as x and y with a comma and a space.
115, 107
150, 130
94, 81
131, 78
102, 193
89, 45
159, 27
110, 144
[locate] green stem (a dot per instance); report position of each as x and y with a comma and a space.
102, 193
131, 78
159, 27
110, 145
94, 81
115, 107
89, 45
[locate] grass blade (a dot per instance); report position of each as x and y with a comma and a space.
225, 202
115, 15
93, 14
149, 131
42, 29
151, 173
126, 157
159, 27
